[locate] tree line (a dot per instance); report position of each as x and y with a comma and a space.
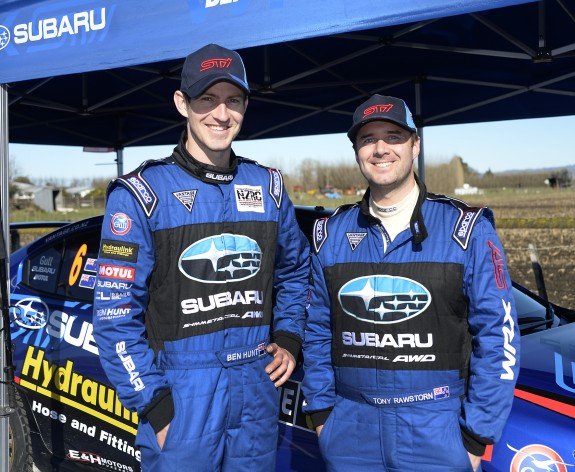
312, 176
439, 177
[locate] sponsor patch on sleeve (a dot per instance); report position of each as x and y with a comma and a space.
117, 272
464, 226
276, 186
498, 266
319, 233
141, 190
119, 250
120, 224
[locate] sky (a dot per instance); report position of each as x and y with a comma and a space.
496, 146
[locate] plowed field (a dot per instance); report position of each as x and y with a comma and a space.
545, 220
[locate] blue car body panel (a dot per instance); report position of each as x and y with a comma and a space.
540, 432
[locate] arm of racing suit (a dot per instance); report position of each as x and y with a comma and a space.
121, 298
290, 281
319, 381
494, 363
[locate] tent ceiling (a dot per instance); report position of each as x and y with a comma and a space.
501, 64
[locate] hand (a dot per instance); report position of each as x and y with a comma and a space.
318, 429
475, 461
282, 366
161, 435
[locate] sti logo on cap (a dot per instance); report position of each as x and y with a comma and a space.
217, 63
377, 109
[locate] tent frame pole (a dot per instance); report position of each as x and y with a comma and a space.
5, 377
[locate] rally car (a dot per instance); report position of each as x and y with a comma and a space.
67, 416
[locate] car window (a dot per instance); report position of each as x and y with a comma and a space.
306, 217
42, 270
65, 268
531, 313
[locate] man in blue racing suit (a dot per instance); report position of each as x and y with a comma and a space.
202, 285
411, 347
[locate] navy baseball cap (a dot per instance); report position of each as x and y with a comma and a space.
209, 65
381, 107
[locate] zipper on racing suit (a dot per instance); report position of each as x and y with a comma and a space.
385, 237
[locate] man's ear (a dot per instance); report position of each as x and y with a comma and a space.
416, 148
181, 102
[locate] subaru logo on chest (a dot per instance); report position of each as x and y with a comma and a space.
383, 299
221, 258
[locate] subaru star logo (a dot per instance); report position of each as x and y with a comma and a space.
383, 299
220, 259
4, 37
31, 313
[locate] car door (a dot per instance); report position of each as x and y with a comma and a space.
71, 404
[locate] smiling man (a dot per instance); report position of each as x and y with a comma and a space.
217, 271
411, 343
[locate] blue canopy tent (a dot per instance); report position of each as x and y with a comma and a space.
100, 73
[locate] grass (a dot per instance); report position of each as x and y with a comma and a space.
535, 223
34, 214
538, 208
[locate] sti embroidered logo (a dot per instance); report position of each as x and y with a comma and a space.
498, 266
217, 63
377, 109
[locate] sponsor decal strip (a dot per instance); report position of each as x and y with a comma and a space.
319, 233
121, 251
464, 227
291, 404
74, 404
276, 186
488, 453
545, 402
141, 190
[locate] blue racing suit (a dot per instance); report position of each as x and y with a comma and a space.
199, 269
411, 353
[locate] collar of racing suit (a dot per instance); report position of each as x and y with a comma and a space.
416, 224
204, 172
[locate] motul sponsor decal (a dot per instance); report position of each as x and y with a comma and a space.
116, 272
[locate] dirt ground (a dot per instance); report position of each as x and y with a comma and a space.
555, 249
554, 246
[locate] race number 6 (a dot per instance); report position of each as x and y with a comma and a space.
77, 264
